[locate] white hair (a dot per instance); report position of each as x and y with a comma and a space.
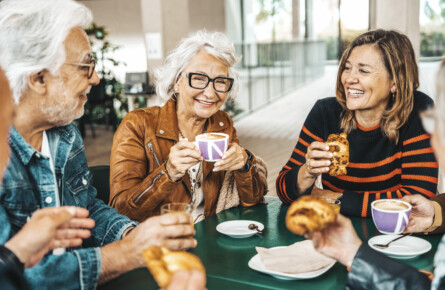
32, 34
214, 43
440, 101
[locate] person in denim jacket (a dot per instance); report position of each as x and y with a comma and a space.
47, 229
48, 61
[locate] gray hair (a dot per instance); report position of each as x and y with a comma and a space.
440, 101
214, 43
32, 34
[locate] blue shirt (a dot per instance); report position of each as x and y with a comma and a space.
28, 185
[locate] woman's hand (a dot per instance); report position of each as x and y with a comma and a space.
318, 159
234, 158
182, 156
422, 213
326, 193
339, 241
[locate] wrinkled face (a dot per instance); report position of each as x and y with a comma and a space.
5, 122
67, 91
366, 81
201, 103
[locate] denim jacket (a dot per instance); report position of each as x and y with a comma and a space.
28, 185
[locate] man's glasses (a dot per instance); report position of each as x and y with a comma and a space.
428, 118
201, 81
90, 66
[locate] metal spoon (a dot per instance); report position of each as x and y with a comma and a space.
255, 227
384, 246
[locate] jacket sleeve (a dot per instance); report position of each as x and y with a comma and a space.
109, 224
374, 270
440, 214
80, 269
133, 189
251, 184
286, 183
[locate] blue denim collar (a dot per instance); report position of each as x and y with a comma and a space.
25, 151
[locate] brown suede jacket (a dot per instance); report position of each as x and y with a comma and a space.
139, 184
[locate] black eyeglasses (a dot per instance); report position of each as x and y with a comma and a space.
201, 81
90, 66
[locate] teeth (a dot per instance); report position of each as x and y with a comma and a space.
204, 102
356, 92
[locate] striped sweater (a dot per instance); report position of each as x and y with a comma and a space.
377, 168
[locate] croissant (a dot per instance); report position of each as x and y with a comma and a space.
309, 214
163, 263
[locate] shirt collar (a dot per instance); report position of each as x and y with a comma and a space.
25, 151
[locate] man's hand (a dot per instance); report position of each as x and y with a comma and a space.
187, 280
173, 231
339, 241
50, 228
422, 213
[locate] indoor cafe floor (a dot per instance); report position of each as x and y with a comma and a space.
272, 131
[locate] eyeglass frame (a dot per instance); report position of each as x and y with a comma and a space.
91, 65
209, 79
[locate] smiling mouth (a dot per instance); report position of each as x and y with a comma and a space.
205, 103
353, 92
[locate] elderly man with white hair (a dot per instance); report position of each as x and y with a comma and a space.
48, 61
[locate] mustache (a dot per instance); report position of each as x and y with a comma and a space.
87, 91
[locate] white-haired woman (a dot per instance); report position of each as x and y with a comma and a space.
153, 159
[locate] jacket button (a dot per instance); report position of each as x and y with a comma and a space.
161, 131
84, 181
48, 199
221, 124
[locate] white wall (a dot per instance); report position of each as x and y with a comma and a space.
123, 21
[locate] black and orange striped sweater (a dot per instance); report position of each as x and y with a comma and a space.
377, 168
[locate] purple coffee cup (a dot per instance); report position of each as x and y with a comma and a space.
390, 216
212, 145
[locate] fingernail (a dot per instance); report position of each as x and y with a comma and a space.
71, 210
331, 155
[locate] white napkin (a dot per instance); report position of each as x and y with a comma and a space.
300, 257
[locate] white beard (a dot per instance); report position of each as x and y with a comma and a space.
62, 110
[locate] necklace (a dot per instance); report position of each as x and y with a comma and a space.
204, 130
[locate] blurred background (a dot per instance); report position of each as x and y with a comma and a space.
289, 48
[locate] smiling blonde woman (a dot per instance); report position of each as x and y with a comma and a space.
378, 106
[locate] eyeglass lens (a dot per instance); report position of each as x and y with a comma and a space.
200, 81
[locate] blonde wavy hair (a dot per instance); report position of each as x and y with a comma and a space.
398, 56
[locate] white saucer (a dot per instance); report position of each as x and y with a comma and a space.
405, 248
257, 264
238, 228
